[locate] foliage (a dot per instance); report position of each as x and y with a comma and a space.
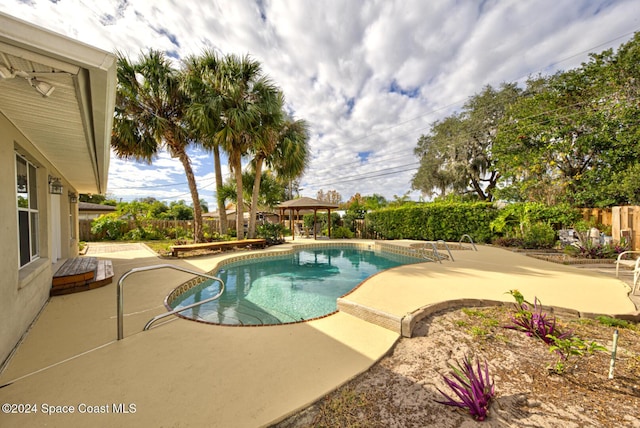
271, 192
587, 250
504, 241
433, 221
513, 219
532, 321
614, 322
539, 235
456, 155
330, 196
108, 226
572, 126
97, 199
570, 137
473, 387
272, 232
536, 323
177, 211
566, 347
145, 233
341, 232
531, 224
150, 115
365, 203
321, 221
177, 233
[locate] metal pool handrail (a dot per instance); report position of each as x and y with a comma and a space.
447, 247
120, 295
184, 308
470, 240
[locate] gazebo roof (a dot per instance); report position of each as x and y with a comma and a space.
307, 203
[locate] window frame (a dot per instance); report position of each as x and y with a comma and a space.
28, 217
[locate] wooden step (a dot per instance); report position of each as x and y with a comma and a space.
76, 270
73, 276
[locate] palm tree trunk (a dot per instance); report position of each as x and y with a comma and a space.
221, 208
254, 197
198, 235
237, 169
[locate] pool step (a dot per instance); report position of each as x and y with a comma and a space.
81, 274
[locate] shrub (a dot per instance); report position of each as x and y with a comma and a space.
108, 226
176, 232
433, 221
514, 219
539, 235
342, 232
272, 232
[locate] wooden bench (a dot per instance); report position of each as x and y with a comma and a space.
221, 245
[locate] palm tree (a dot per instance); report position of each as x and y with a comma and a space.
240, 78
202, 82
284, 148
265, 139
149, 116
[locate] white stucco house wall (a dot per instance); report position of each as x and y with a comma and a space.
57, 100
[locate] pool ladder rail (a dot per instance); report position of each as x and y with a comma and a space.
470, 240
434, 249
120, 295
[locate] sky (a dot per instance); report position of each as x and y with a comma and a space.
370, 77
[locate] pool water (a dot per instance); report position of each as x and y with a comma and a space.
283, 289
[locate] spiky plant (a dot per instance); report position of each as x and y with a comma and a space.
534, 322
473, 387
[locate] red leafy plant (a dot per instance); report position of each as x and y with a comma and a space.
472, 385
533, 322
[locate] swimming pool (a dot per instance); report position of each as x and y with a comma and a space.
299, 286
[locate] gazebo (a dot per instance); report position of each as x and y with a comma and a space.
306, 204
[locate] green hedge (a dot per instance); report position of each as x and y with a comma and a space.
432, 221
481, 220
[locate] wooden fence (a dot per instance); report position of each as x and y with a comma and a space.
624, 222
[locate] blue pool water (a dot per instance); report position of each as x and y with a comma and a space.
285, 289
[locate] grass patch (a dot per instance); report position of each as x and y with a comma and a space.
614, 322
343, 408
161, 247
478, 331
473, 312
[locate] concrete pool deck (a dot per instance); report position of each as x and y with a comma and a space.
183, 373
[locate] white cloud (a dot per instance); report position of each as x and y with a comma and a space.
369, 76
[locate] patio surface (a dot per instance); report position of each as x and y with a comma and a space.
182, 373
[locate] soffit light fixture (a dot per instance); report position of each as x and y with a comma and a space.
43, 88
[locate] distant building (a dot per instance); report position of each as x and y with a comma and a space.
89, 211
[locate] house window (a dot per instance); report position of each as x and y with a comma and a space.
27, 195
